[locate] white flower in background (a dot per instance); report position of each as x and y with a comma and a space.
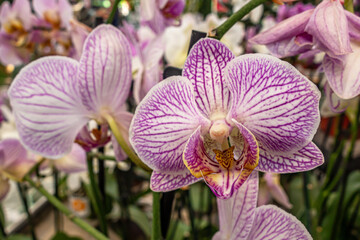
177, 39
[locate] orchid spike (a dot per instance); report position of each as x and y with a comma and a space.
254, 111
53, 98
239, 217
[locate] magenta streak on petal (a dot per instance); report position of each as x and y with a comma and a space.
274, 101
163, 122
204, 67
304, 159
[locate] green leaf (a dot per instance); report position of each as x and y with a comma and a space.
18, 237
140, 218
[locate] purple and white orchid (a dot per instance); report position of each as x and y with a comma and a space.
239, 217
224, 118
53, 98
328, 28
14, 163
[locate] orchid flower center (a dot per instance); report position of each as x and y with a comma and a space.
225, 158
52, 17
220, 131
13, 25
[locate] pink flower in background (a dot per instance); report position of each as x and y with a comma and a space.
328, 28
158, 14
54, 13
14, 163
16, 22
271, 189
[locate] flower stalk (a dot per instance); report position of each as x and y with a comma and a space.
156, 224
220, 31
55, 202
113, 11
120, 139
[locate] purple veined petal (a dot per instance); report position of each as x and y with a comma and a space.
23, 11
123, 120
328, 25
342, 76
147, 9
105, 70
304, 159
354, 25
78, 34
274, 101
236, 214
168, 181
162, 124
65, 11
286, 29
4, 187
47, 105
40, 6
272, 222
73, 162
332, 102
288, 47
204, 67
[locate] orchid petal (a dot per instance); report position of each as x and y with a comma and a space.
47, 107
286, 29
23, 11
40, 6
105, 70
272, 222
205, 67
197, 159
73, 162
342, 76
163, 122
236, 214
5, 11
123, 119
4, 187
354, 25
65, 11
168, 181
276, 190
304, 159
274, 101
8, 53
291, 46
328, 25
15, 163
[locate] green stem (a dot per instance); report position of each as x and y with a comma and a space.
220, 31
2, 223
101, 156
99, 205
349, 5
27, 210
156, 224
35, 167
120, 139
55, 202
307, 201
113, 11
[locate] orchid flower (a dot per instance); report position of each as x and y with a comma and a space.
53, 98
16, 22
14, 163
56, 13
272, 189
328, 28
158, 14
240, 218
224, 118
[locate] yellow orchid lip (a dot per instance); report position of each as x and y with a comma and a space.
225, 158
